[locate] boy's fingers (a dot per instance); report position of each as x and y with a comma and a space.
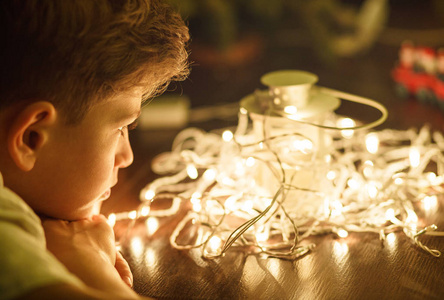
99, 218
123, 269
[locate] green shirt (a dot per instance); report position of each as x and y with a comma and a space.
25, 263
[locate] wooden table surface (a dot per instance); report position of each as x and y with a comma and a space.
359, 266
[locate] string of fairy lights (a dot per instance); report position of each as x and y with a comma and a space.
267, 192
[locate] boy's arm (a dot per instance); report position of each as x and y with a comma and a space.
71, 292
87, 249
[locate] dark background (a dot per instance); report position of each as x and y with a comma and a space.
217, 78
289, 44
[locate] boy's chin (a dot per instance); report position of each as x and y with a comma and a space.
86, 212
72, 216
96, 208
98, 204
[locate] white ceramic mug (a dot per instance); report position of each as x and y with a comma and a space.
289, 87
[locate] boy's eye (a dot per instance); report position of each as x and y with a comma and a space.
122, 130
131, 126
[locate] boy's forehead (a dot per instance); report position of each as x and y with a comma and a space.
134, 94
122, 106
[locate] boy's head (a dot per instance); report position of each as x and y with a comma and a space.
74, 74
77, 52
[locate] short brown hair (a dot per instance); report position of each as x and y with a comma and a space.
75, 52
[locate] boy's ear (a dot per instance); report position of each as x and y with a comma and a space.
29, 132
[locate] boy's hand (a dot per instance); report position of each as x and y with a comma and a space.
67, 240
87, 249
124, 270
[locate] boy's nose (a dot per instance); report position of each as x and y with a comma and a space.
124, 155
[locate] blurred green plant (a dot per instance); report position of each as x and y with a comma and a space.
222, 22
335, 27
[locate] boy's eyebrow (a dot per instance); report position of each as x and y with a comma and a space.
136, 114
133, 116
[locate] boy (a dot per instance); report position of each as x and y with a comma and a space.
73, 76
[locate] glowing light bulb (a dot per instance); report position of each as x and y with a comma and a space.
337, 208
369, 163
415, 157
209, 174
197, 207
248, 205
268, 202
326, 206
430, 203
228, 181
215, 243
368, 168
353, 184
391, 238
195, 200
345, 123
195, 197
431, 177
372, 143
372, 190
145, 211
132, 215
262, 235
240, 169
250, 162
331, 175
390, 214
192, 171
296, 145
399, 181
111, 220
230, 203
227, 135
307, 145
412, 218
149, 195
342, 233
327, 158
290, 109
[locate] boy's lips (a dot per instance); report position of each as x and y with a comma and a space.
105, 195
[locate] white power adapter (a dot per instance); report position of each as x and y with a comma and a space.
165, 112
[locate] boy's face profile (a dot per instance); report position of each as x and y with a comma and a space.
83, 48
77, 165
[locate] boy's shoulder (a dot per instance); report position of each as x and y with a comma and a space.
26, 264
14, 209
